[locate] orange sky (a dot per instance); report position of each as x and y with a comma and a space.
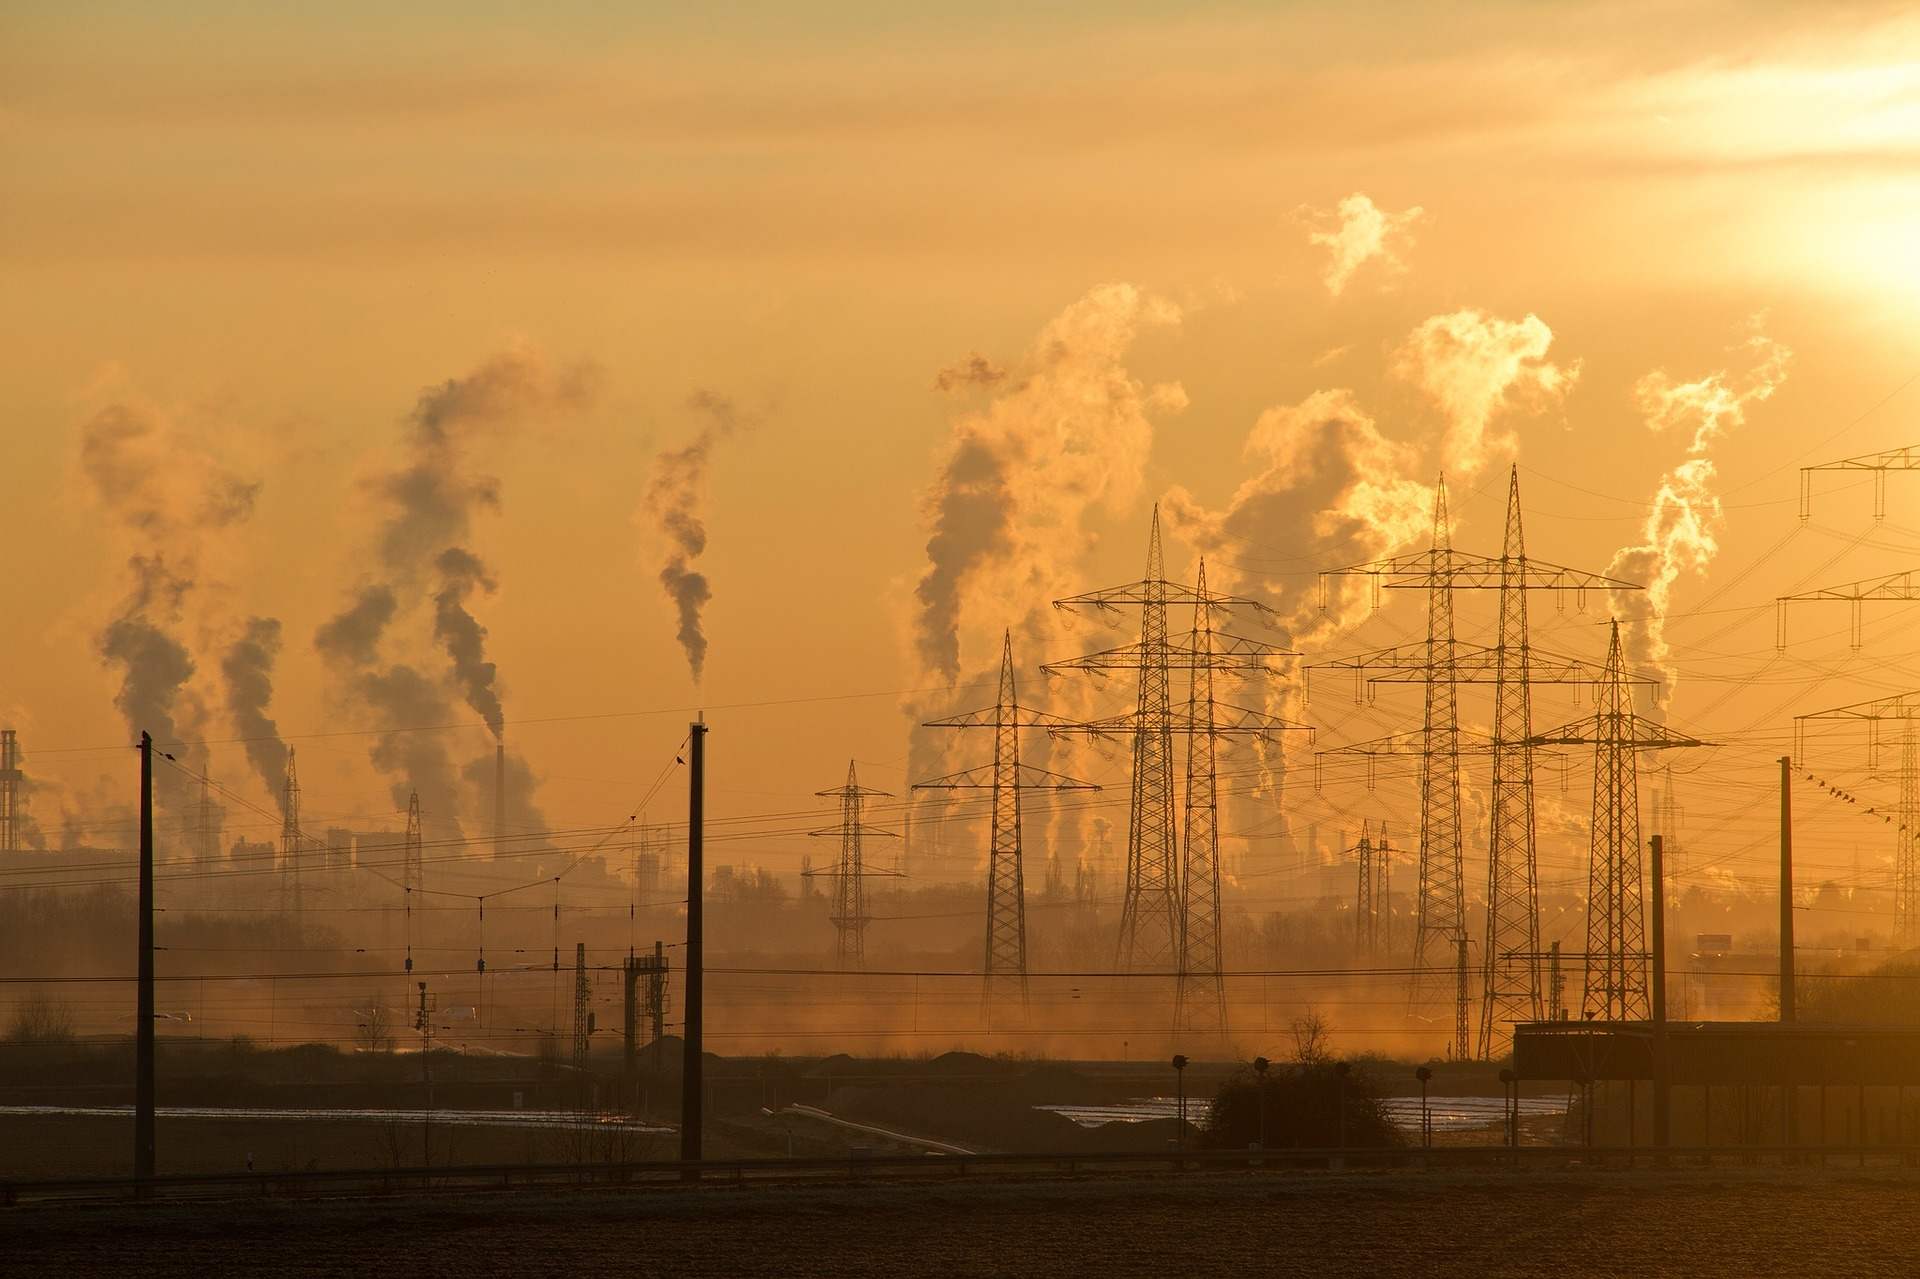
269, 232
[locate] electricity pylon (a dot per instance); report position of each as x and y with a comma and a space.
1902, 459
1366, 904
1511, 989
1904, 709
1151, 908
849, 916
1175, 917
1616, 985
1005, 972
290, 841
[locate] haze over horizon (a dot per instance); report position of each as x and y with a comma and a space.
559, 373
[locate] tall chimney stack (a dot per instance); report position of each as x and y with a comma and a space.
500, 798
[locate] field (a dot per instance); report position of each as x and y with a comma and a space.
1798, 1222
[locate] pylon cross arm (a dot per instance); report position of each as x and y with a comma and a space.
1895, 586
989, 717
982, 778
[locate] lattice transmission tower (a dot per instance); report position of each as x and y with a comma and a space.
1005, 968
1368, 888
1170, 916
1903, 709
849, 916
1616, 958
1510, 968
412, 872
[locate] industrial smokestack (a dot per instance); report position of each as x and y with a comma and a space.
499, 798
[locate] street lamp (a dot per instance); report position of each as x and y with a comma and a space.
1426, 1116
1260, 1065
1180, 1090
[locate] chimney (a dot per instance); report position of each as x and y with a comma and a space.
500, 798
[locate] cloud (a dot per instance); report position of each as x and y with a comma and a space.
1475, 366
1680, 535
1356, 232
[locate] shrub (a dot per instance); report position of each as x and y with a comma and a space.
1304, 1105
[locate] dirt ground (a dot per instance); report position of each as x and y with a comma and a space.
1704, 1223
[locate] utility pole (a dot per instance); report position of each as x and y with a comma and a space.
1786, 888
1662, 1078
143, 1065
412, 876
690, 1063
1788, 1119
423, 1023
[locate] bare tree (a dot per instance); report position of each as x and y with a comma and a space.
374, 1027
1312, 1038
41, 1019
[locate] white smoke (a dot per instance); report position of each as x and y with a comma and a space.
1068, 432
1327, 488
171, 505
1356, 232
1475, 366
1680, 535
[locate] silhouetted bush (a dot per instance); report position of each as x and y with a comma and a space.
1304, 1104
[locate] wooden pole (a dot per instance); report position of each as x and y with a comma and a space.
143, 1085
690, 1082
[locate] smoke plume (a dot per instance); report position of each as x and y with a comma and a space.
1356, 232
1475, 366
463, 638
1327, 488
170, 504
674, 499
974, 371
1681, 531
247, 667
430, 499
1006, 514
